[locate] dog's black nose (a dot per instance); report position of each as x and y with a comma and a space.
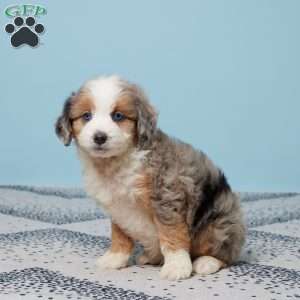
100, 138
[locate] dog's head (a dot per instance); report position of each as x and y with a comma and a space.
106, 117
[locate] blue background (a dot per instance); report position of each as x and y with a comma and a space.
224, 76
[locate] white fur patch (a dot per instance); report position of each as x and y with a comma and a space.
178, 265
205, 265
113, 260
104, 90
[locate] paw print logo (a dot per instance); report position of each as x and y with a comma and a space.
24, 32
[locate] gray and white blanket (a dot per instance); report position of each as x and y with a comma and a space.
50, 238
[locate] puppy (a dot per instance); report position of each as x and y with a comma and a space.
157, 190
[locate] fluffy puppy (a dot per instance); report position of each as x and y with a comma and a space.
158, 190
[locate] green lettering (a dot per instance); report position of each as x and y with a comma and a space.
39, 10
12, 11
25, 10
28, 9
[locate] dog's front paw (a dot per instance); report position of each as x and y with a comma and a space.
177, 266
113, 260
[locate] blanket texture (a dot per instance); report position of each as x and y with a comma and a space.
51, 237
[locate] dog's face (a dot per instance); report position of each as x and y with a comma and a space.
106, 117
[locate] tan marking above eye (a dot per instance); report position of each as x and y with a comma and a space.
125, 105
81, 105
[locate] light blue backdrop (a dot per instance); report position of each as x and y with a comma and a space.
224, 76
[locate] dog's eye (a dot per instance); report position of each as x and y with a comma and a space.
87, 116
117, 116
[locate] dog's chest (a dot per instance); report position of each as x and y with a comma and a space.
119, 195
109, 189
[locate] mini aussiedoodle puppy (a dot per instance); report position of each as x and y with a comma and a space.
158, 190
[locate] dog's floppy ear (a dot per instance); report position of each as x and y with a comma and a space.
146, 119
63, 126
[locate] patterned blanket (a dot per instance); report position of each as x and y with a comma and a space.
50, 238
